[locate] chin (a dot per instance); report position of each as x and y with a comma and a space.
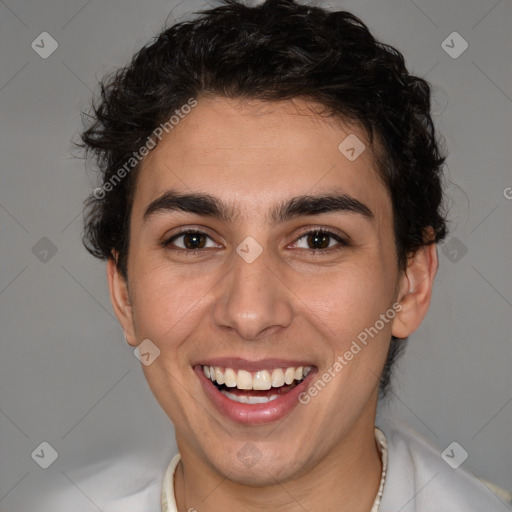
255, 465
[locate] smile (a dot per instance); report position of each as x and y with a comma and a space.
229, 381
254, 396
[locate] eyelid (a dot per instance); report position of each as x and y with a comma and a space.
185, 230
342, 239
340, 236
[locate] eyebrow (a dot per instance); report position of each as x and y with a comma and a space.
210, 206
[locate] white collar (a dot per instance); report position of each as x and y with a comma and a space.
168, 497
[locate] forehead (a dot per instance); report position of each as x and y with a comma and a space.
250, 152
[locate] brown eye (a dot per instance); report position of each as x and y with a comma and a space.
194, 240
318, 240
189, 240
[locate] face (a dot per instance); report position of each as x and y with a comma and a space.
262, 288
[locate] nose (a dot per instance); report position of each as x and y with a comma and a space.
253, 300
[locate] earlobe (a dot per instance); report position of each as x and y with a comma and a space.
415, 290
120, 300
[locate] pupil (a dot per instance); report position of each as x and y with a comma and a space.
195, 243
319, 240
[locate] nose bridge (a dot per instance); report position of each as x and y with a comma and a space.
252, 299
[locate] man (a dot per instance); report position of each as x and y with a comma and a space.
269, 209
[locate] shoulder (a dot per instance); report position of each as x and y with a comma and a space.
123, 483
418, 479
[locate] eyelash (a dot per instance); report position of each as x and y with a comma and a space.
191, 252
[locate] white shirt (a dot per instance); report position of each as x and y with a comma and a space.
419, 480
416, 479
169, 499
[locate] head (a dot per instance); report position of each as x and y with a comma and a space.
301, 154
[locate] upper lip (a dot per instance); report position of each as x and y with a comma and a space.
238, 363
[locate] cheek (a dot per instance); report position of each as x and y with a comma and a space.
167, 301
348, 299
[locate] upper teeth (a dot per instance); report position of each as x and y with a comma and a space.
260, 380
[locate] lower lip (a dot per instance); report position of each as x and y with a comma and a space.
252, 414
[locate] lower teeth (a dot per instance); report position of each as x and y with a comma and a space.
245, 399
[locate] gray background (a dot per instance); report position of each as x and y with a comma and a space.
66, 375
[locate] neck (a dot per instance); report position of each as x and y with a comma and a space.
346, 480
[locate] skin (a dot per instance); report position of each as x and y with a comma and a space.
288, 303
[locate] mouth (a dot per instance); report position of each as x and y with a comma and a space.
258, 387
254, 396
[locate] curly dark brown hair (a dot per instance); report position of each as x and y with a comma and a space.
275, 51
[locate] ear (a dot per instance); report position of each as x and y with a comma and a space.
415, 290
120, 299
